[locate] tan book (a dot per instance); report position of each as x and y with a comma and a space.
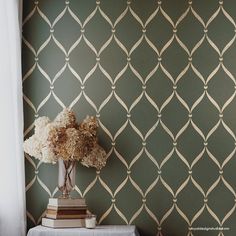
56, 216
63, 223
67, 202
67, 211
56, 208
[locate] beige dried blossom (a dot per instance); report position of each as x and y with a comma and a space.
64, 138
48, 155
40, 124
33, 147
65, 119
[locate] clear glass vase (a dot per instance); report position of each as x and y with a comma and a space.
66, 177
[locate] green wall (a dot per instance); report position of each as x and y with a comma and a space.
160, 77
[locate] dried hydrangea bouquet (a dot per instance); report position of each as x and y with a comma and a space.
65, 141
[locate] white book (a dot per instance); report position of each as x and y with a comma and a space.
66, 202
63, 223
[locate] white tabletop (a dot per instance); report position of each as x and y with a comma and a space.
101, 230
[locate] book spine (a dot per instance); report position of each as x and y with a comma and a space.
67, 212
66, 202
63, 223
52, 216
57, 208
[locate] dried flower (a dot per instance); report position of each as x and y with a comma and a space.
65, 119
33, 147
89, 124
40, 123
96, 158
64, 138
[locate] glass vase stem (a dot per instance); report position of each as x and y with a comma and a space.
66, 177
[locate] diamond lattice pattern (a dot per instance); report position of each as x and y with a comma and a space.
160, 78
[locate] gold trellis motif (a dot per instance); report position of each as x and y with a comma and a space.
199, 107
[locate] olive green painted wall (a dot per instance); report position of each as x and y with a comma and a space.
160, 77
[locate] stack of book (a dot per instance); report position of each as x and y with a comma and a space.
64, 213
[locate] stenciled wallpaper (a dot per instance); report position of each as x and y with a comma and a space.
160, 76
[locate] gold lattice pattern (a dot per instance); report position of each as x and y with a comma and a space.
160, 78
